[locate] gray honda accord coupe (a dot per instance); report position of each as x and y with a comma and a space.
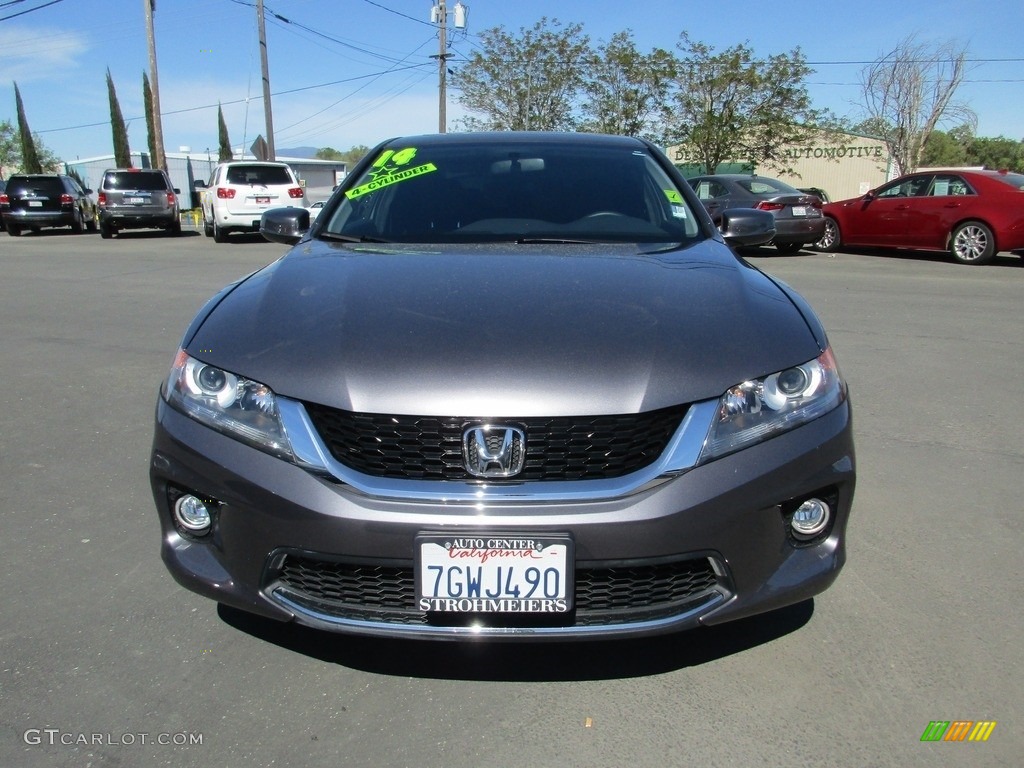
506, 386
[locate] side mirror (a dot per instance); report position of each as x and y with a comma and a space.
177, 191
199, 184
869, 195
284, 225
747, 226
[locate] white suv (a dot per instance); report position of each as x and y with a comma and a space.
240, 191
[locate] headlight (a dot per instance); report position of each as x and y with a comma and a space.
244, 409
756, 410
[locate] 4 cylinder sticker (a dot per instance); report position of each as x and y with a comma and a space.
389, 169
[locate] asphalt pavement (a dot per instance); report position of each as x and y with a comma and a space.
106, 661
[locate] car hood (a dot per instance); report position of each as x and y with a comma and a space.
504, 330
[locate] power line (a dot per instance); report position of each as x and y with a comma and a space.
241, 101
37, 8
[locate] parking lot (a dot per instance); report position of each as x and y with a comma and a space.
108, 662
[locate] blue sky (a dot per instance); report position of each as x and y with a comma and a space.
376, 79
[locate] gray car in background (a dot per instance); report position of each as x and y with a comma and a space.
137, 198
507, 386
798, 218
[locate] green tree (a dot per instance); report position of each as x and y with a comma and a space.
122, 153
997, 154
29, 157
733, 106
524, 81
10, 151
350, 157
909, 92
147, 100
945, 149
625, 90
224, 152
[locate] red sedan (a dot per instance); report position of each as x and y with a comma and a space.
971, 214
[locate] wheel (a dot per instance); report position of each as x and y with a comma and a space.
14, 230
207, 226
91, 224
219, 235
972, 243
76, 223
789, 247
830, 239
106, 231
174, 229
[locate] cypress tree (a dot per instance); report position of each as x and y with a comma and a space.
225, 153
29, 157
122, 154
147, 98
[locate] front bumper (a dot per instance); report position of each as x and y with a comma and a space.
725, 520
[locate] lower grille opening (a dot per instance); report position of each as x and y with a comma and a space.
605, 593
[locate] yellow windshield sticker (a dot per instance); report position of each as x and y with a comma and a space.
389, 169
673, 196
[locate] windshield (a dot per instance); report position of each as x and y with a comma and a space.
486, 192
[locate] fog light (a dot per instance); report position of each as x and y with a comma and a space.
192, 514
810, 518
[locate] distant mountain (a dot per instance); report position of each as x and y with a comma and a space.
305, 152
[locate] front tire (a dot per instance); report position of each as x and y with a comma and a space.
76, 223
830, 238
972, 243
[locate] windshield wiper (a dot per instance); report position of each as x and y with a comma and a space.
349, 238
555, 241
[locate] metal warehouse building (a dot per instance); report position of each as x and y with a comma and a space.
843, 164
318, 176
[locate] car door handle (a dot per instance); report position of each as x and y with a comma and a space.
952, 205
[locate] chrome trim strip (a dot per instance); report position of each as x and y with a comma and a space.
715, 598
680, 455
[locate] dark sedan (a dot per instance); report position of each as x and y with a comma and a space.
971, 215
507, 386
798, 220
34, 201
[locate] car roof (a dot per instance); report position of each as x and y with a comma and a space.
529, 137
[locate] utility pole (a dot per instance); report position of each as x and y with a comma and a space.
268, 113
439, 15
442, 69
160, 161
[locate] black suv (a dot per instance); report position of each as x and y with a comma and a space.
134, 198
34, 201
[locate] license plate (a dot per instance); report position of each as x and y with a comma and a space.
135, 200
494, 573
35, 204
261, 200
799, 210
